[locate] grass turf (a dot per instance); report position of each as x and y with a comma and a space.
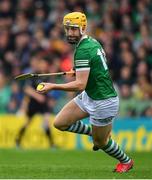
53, 164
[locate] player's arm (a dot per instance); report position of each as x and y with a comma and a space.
79, 84
31, 92
82, 68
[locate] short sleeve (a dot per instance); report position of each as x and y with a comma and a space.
82, 60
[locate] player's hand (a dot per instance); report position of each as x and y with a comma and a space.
72, 72
44, 87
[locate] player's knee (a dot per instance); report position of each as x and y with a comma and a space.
57, 125
60, 126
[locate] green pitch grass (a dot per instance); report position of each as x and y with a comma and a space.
41, 164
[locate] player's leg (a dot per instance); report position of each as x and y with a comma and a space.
102, 140
68, 119
101, 119
23, 130
47, 129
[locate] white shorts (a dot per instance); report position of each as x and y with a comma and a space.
102, 112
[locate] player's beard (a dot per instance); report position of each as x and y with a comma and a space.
73, 39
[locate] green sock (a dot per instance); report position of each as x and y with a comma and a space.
114, 150
80, 128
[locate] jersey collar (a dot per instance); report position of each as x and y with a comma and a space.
83, 37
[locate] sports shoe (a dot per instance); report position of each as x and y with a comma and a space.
121, 167
95, 148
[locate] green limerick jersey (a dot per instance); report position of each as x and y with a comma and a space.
90, 55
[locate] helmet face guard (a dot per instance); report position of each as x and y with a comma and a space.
74, 39
76, 19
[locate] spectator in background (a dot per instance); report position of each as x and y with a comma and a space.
142, 54
144, 37
142, 92
142, 89
5, 93
125, 45
142, 69
125, 76
147, 112
127, 101
21, 23
41, 39
22, 46
127, 59
4, 41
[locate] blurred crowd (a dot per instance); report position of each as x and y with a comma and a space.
32, 40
